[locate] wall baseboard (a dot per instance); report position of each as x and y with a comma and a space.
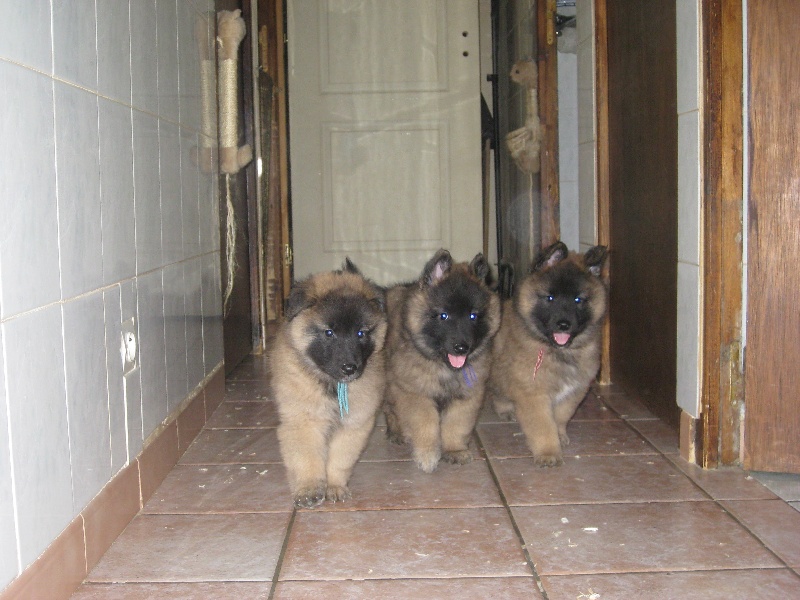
66, 562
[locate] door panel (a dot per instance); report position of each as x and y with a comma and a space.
643, 190
384, 111
772, 374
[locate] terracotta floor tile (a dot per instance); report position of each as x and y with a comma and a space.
251, 368
593, 409
587, 438
663, 437
242, 415
594, 479
197, 489
613, 538
724, 483
184, 548
774, 522
247, 391
174, 591
625, 406
379, 448
763, 584
784, 485
476, 542
233, 446
400, 484
478, 588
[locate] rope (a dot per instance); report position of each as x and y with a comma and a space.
228, 129
230, 244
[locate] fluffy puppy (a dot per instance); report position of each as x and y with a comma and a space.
548, 349
327, 367
440, 332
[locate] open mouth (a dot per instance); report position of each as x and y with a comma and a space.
561, 338
456, 360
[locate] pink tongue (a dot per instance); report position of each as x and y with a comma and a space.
561, 338
456, 361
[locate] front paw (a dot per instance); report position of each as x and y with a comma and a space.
310, 496
427, 461
548, 460
338, 493
564, 439
457, 457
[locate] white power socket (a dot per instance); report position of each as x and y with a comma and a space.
129, 349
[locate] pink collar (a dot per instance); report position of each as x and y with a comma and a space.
538, 363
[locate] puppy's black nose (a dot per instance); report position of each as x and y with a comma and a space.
460, 348
563, 325
349, 368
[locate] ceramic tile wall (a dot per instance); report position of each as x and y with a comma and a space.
568, 148
689, 173
587, 148
105, 217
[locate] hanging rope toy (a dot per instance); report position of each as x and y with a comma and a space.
524, 144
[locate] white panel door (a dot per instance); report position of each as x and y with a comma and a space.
384, 117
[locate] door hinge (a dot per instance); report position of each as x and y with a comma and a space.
288, 257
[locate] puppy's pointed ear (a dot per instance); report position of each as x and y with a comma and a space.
594, 259
298, 300
350, 267
550, 256
480, 267
436, 268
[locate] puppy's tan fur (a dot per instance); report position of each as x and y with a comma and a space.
427, 403
543, 400
319, 447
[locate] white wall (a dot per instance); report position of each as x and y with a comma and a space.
587, 132
568, 170
689, 176
104, 216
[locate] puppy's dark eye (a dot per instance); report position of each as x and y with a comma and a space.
329, 333
473, 316
549, 298
578, 299
361, 334
444, 316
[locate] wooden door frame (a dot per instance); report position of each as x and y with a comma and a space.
722, 196
714, 437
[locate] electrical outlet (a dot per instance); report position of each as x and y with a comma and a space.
129, 348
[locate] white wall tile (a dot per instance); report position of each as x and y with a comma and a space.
9, 564
147, 192
29, 240
190, 194
114, 50
116, 388
87, 397
172, 226
189, 66
78, 176
688, 384
175, 331
132, 382
37, 407
212, 312
586, 191
144, 55
168, 76
153, 353
193, 274
116, 186
688, 60
75, 42
25, 34
689, 187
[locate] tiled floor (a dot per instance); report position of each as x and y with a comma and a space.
624, 518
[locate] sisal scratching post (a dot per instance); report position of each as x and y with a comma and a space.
230, 33
524, 144
204, 154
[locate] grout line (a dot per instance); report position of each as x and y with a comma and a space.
517, 531
282, 555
